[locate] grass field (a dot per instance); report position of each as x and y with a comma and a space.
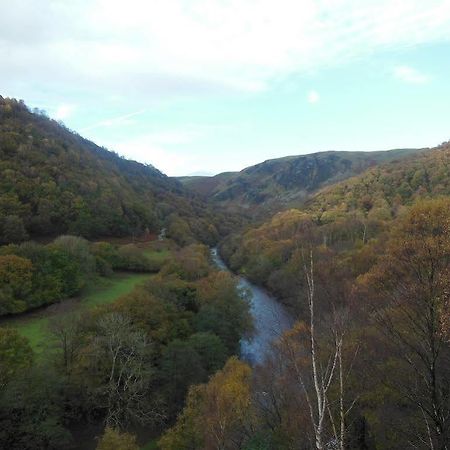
150, 446
35, 325
158, 256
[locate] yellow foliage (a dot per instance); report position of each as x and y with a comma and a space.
115, 440
215, 412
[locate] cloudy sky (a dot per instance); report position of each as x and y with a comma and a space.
215, 85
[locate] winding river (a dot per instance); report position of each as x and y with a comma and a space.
270, 318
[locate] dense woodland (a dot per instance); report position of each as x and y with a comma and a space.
377, 249
363, 265
127, 363
53, 182
34, 275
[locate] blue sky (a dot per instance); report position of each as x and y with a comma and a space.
215, 85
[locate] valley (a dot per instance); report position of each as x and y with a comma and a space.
300, 303
224, 225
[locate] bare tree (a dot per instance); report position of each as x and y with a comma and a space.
123, 353
66, 330
324, 367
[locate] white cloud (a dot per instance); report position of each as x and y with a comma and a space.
410, 75
63, 112
115, 121
166, 149
147, 149
137, 46
313, 97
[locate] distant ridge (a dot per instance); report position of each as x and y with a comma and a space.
277, 183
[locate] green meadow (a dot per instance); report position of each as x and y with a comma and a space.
35, 325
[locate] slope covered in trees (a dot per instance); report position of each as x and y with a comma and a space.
365, 268
367, 364
383, 190
364, 265
124, 364
52, 181
277, 183
342, 216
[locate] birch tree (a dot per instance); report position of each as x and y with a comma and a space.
317, 367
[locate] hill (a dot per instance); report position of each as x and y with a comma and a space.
366, 259
207, 185
341, 217
382, 191
279, 183
53, 181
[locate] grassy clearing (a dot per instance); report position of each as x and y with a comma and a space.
157, 255
120, 285
152, 445
35, 325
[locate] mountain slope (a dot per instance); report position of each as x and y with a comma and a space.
277, 183
350, 219
53, 181
381, 191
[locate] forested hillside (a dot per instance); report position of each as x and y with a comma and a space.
383, 189
365, 266
138, 339
53, 181
278, 183
345, 215
104, 325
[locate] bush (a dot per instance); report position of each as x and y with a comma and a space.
132, 258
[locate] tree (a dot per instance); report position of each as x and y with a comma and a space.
181, 367
78, 249
15, 283
15, 355
33, 410
122, 359
130, 257
217, 415
56, 272
318, 365
222, 310
211, 350
66, 331
106, 257
65, 270
115, 440
410, 287
13, 229
445, 326
190, 263
154, 314
188, 432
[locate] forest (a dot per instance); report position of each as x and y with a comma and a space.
366, 262
361, 262
54, 182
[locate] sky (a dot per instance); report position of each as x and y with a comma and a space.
207, 86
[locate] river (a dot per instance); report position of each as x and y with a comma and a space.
270, 318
